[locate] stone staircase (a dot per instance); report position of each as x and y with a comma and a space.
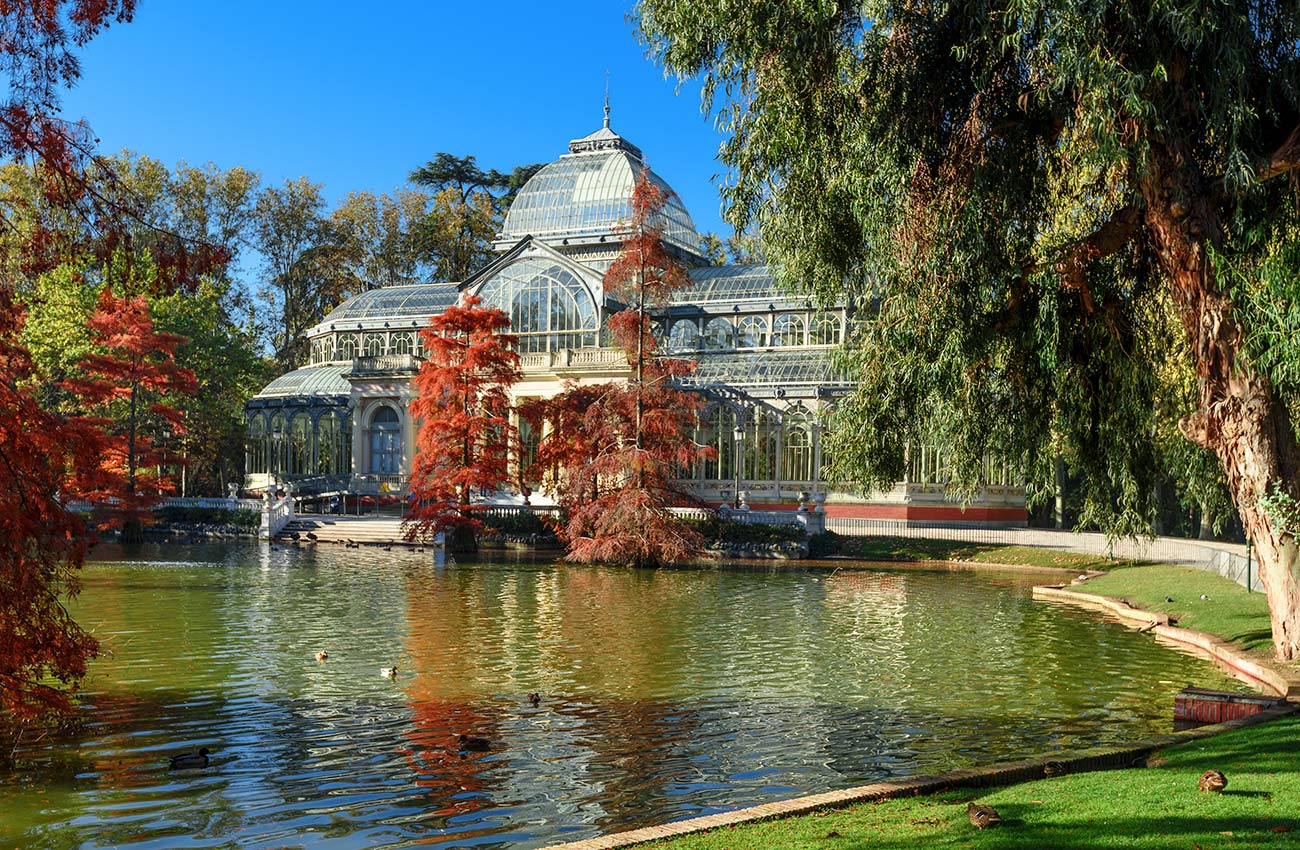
364, 531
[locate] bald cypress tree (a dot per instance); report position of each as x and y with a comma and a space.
1040, 202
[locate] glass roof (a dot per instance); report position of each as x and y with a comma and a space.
588, 193
313, 380
730, 283
419, 301
763, 368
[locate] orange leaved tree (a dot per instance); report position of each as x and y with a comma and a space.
127, 381
615, 451
45, 462
463, 409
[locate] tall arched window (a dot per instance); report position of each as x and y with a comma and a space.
719, 335
373, 344
717, 430
797, 464
760, 446
385, 441
685, 336
300, 441
255, 446
348, 347
549, 307
278, 456
751, 332
330, 450
788, 329
403, 344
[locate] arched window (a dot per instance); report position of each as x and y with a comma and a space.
385, 441
788, 329
719, 335
797, 465
751, 332
760, 446
825, 330
374, 344
255, 446
330, 448
685, 336
300, 440
717, 430
278, 456
403, 344
348, 347
549, 307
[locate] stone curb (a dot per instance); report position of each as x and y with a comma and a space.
1225, 653
1012, 773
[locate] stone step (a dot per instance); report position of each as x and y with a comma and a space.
363, 530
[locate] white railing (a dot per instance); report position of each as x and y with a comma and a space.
578, 358
212, 504
386, 363
276, 514
814, 522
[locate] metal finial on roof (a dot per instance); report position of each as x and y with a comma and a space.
606, 98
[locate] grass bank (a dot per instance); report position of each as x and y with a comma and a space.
1156, 808
926, 549
1230, 613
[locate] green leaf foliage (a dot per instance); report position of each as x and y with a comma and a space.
976, 177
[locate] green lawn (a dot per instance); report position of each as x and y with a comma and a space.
1151, 809
924, 549
1230, 613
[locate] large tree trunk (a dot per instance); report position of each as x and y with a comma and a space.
1239, 416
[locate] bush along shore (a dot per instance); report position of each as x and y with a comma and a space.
194, 525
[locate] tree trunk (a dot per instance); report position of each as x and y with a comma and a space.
1239, 416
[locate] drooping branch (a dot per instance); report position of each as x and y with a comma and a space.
1283, 160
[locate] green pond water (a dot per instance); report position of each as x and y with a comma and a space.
665, 695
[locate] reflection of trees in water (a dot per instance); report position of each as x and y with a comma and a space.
458, 782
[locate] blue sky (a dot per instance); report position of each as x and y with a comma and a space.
356, 95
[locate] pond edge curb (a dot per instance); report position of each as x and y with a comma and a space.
1218, 649
1010, 773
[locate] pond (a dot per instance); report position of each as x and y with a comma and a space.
665, 694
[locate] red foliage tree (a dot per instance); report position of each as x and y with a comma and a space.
128, 380
44, 462
614, 451
463, 408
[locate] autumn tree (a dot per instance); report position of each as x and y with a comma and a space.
1015, 186
45, 460
617, 449
464, 415
131, 367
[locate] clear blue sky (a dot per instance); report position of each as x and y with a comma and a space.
355, 95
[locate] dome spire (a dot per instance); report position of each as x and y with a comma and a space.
606, 98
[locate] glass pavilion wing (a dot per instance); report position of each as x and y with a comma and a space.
396, 302
549, 307
730, 283
313, 380
766, 368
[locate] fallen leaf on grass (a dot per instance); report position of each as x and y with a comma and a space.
833, 834
1282, 828
1226, 832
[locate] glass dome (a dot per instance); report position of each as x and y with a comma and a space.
587, 192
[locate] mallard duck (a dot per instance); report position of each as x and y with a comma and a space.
322, 655
388, 672
535, 699
470, 742
311, 535
981, 816
1212, 780
1204, 598
190, 761
1054, 768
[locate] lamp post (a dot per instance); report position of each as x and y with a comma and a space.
739, 435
